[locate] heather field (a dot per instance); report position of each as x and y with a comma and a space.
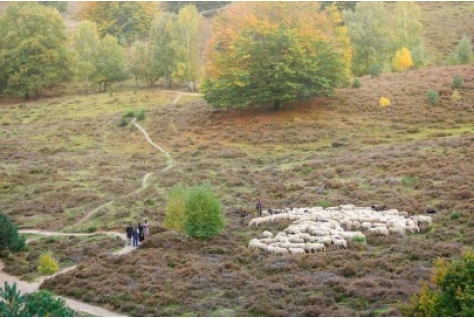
64, 157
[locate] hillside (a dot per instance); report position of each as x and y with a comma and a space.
63, 157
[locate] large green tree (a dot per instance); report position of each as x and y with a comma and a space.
110, 63
125, 20
136, 60
33, 53
162, 53
271, 53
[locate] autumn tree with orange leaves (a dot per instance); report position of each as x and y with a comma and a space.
275, 52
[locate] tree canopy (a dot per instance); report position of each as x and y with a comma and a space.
123, 19
274, 52
33, 52
11, 240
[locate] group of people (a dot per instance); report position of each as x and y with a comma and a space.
137, 234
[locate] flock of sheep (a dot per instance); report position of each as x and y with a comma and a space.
314, 229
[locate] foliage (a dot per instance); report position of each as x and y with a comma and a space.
203, 212
125, 20
85, 44
358, 239
11, 240
384, 102
462, 53
136, 59
458, 82
141, 115
376, 32
40, 303
402, 60
188, 39
324, 203
162, 55
61, 6
110, 63
47, 264
454, 215
356, 83
453, 294
375, 69
33, 53
174, 210
456, 96
432, 96
128, 114
175, 6
274, 52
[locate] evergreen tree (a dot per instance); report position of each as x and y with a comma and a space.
10, 239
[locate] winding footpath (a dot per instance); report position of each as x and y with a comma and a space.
25, 287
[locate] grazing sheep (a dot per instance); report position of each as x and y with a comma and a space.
366, 225
295, 239
281, 251
267, 234
356, 224
346, 223
340, 243
271, 250
296, 251
315, 247
379, 208
397, 230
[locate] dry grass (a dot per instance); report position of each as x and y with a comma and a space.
410, 156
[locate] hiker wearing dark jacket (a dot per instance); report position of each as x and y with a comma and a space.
129, 231
259, 207
135, 236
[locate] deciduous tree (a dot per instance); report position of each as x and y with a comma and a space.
402, 60
33, 52
274, 52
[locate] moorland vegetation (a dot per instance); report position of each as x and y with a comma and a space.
73, 161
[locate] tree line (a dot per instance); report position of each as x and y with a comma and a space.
258, 53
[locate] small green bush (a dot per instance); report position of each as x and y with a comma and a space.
356, 83
324, 203
174, 210
375, 69
123, 122
458, 82
91, 229
462, 53
358, 239
47, 264
128, 114
432, 97
455, 215
10, 239
203, 212
141, 115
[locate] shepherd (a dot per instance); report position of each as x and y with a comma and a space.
259, 207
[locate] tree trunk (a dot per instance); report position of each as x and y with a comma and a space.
277, 105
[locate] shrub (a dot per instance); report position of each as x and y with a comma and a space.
356, 83
128, 114
453, 295
456, 96
324, 203
10, 241
358, 239
375, 69
37, 304
47, 264
123, 122
458, 82
91, 229
203, 212
141, 115
402, 60
384, 102
432, 96
455, 215
462, 53
174, 210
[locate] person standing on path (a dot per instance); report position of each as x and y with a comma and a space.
141, 233
135, 236
146, 227
129, 231
259, 207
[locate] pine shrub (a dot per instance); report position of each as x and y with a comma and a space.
462, 53
356, 83
40, 303
375, 69
47, 264
432, 96
141, 115
458, 82
11, 240
203, 212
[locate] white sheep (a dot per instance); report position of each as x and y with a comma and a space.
310, 247
267, 234
340, 243
281, 251
296, 251
397, 230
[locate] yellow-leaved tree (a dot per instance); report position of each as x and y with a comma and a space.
402, 60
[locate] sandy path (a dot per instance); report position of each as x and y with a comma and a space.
25, 287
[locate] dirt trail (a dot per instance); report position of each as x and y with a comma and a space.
25, 287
